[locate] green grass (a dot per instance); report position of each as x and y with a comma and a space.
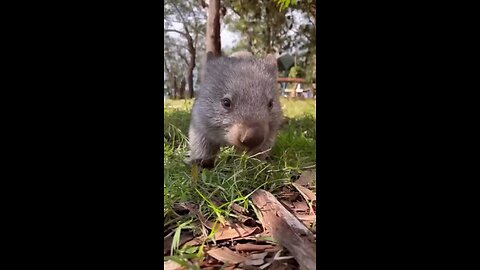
235, 176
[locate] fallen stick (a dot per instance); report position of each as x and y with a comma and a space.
252, 247
286, 229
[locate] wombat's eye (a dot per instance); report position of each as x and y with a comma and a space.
270, 103
227, 103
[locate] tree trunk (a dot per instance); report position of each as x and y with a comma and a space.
213, 28
190, 93
268, 33
189, 75
174, 87
181, 89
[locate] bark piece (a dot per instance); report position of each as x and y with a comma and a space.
286, 229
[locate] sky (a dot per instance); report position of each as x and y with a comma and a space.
228, 39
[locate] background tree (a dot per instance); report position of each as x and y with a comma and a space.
309, 6
266, 26
184, 29
262, 26
213, 41
173, 71
303, 37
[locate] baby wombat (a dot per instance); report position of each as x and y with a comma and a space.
238, 104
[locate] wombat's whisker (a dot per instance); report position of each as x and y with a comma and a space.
260, 153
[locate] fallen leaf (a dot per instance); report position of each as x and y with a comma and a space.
194, 242
194, 209
306, 178
226, 255
185, 236
249, 267
282, 265
288, 195
252, 262
238, 208
251, 247
306, 217
288, 204
171, 265
306, 193
257, 256
250, 222
300, 206
226, 233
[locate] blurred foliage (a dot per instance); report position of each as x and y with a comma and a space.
284, 4
296, 72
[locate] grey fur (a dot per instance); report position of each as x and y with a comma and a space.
241, 54
250, 83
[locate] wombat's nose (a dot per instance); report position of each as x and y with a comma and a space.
252, 137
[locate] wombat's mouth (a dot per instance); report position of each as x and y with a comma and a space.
246, 137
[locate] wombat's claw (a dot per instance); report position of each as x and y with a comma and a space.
201, 163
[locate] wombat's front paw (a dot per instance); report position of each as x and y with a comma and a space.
204, 163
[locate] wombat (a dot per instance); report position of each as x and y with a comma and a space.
238, 104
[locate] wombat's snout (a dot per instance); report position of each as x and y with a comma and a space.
246, 136
251, 136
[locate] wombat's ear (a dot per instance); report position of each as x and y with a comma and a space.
271, 62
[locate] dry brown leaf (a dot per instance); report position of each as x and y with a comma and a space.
185, 236
306, 178
282, 265
249, 267
288, 204
306, 217
251, 247
300, 206
250, 222
194, 242
306, 193
226, 255
227, 233
288, 195
194, 209
252, 262
238, 208
257, 256
171, 265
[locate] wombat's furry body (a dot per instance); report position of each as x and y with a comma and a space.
238, 104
